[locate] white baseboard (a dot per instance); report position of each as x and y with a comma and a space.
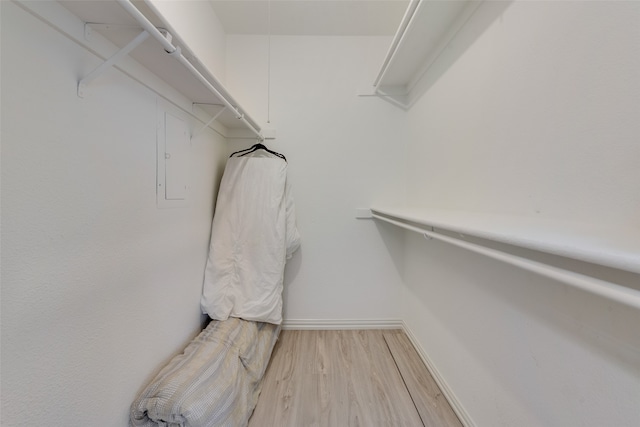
338, 324
457, 407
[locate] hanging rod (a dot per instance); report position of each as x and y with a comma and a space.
176, 52
595, 286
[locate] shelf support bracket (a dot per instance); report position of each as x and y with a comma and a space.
82, 84
213, 119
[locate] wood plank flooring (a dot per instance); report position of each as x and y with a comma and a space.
349, 378
429, 401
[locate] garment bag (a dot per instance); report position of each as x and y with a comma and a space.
253, 234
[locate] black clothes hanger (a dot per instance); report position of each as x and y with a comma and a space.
242, 151
255, 147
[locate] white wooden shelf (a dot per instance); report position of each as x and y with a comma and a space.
150, 54
426, 29
606, 246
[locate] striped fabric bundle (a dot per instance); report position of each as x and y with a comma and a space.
214, 382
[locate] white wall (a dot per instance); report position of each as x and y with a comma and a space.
537, 117
344, 152
199, 27
99, 287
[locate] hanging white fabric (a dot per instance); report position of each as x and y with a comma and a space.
254, 232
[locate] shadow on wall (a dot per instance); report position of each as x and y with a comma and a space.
291, 270
292, 267
479, 21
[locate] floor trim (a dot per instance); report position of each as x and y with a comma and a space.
462, 414
341, 324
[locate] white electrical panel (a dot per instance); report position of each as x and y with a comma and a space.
173, 160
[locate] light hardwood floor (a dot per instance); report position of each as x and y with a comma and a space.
366, 378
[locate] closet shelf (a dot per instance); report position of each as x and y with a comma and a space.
605, 246
425, 31
179, 70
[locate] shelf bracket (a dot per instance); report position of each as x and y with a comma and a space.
215, 116
82, 84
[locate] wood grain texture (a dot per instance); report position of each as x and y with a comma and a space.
338, 378
432, 406
333, 378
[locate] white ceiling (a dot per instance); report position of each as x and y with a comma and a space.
311, 17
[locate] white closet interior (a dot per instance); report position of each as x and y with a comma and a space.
487, 125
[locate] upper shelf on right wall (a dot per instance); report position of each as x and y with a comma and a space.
425, 31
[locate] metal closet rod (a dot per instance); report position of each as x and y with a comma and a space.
595, 286
176, 52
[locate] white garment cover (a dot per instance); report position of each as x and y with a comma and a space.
253, 233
